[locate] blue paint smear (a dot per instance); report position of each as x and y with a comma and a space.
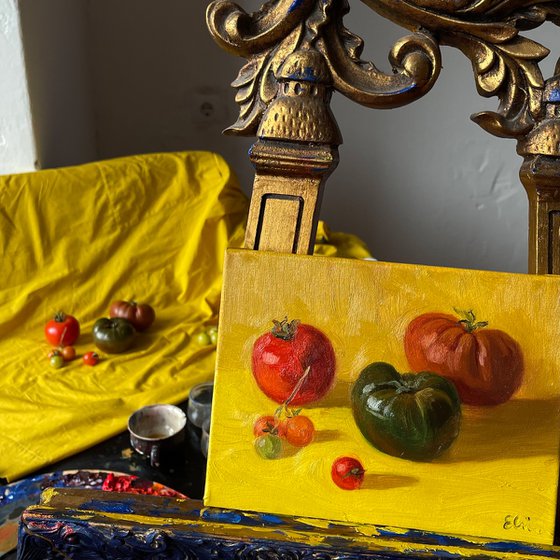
222, 516
449, 540
308, 75
108, 507
405, 89
21, 494
269, 518
295, 5
554, 96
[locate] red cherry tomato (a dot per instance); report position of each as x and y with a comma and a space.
299, 430
268, 425
290, 354
141, 315
347, 473
68, 353
91, 358
62, 330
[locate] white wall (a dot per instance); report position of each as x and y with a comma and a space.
17, 146
420, 184
59, 80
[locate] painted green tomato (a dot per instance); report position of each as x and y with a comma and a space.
412, 416
268, 446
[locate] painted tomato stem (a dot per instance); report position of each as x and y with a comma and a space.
356, 471
286, 330
469, 323
298, 386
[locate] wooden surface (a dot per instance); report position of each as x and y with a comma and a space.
94, 524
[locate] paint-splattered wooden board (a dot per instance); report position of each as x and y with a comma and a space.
91, 524
497, 474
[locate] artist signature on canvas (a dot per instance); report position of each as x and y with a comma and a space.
520, 523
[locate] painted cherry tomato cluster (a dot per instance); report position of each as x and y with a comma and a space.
286, 426
207, 336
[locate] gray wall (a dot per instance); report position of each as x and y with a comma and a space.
420, 184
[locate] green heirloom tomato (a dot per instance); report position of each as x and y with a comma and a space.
113, 335
413, 416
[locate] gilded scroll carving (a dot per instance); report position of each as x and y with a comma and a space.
505, 63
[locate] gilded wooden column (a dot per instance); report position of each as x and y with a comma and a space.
540, 175
296, 150
299, 51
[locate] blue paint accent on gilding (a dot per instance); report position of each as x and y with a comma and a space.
222, 516
295, 5
554, 96
308, 75
108, 507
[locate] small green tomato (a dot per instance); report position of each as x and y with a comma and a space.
57, 361
202, 338
268, 446
213, 335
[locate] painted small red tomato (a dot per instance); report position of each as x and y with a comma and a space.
68, 353
299, 430
347, 473
62, 330
269, 425
53, 352
293, 361
141, 315
90, 358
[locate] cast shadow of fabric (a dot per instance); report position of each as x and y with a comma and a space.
518, 428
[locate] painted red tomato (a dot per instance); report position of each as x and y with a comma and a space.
347, 473
486, 365
294, 363
62, 330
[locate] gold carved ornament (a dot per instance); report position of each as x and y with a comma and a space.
299, 51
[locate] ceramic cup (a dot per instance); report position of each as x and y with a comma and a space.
158, 432
200, 403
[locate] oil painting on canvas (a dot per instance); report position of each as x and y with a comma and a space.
400, 395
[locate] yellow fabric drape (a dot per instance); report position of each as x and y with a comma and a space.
152, 228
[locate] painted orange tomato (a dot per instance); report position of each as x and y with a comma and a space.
294, 363
299, 430
486, 365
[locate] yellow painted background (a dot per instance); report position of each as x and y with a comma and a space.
499, 479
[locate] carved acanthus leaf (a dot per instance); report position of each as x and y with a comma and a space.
257, 85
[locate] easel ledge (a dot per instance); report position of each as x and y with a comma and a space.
79, 522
